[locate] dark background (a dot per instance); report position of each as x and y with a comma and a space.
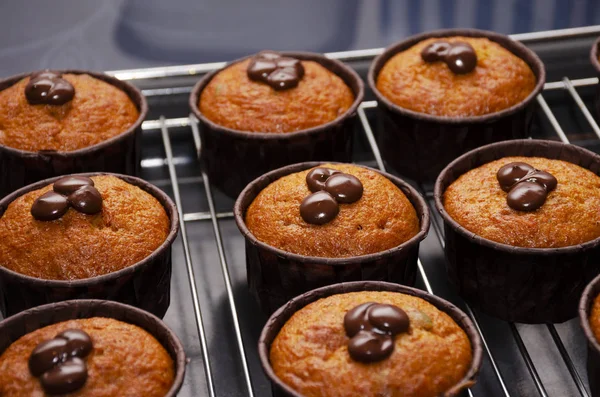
123, 34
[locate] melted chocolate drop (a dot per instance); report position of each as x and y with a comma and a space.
526, 196
435, 51
261, 68
512, 173
49, 206
86, 199
65, 378
319, 208
371, 327
283, 79
46, 355
317, 177
69, 184
281, 73
543, 177
460, 57
388, 318
368, 347
48, 88
79, 342
357, 319
344, 188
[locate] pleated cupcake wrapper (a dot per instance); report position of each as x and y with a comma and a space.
284, 313
233, 158
526, 285
593, 346
28, 321
594, 53
145, 284
120, 154
275, 276
418, 145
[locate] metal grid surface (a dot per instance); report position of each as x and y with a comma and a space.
219, 323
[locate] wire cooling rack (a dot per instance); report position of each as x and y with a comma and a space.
217, 319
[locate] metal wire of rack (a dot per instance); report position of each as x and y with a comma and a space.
166, 125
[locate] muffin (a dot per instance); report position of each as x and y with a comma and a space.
59, 122
121, 359
445, 92
129, 225
233, 99
273, 109
499, 79
382, 218
521, 232
313, 224
86, 235
589, 318
568, 216
99, 348
369, 339
96, 112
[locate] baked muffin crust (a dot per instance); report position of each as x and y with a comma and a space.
131, 225
310, 352
499, 81
125, 361
569, 216
234, 101
381, 219
98, 111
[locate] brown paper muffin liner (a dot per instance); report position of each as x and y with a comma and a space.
30, 320
145, 284
234, 158
275, 276
594, 54
527, 285
419, 145
119, 154
593, 351
284, 313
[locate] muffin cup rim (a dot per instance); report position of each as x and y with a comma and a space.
139, 100
158, 194
585, 307
477, 239
239, 215
532, 61
179, 361
302, 55
289, 309
594, 55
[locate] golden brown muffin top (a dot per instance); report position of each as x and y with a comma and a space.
98, 111
499, 81
569, 216
310, 353
234, 101
131, 225
595, 318
383, 218
125, 361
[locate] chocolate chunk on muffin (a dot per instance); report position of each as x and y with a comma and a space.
379, 218
81, 227
93, 112
273, 93
424, 78
567, 216
87, 357
371, 343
